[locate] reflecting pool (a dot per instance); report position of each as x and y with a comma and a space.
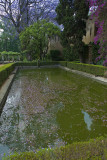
51, 108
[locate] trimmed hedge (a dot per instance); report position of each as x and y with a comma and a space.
88, 68
26, 64
63, 63
5, 71
56, 55
49, 63
36, 63
92, 150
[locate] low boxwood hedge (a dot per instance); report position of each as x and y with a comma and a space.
49, 63
5, 71
36, 63
96, 70
26, 64
63, 63
92, 150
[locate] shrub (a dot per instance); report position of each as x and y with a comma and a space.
105, 74
70, 54
95, 54
26, 63
35, 63
10, 55
5, 71
63, 63
49, 63
48, 57
89, 68
93, 149
55, 55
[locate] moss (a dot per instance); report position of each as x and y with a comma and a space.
91, 150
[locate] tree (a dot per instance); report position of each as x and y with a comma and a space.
9, 40
22, 13
72, 15
35, 38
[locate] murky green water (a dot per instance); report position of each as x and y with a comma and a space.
52, 107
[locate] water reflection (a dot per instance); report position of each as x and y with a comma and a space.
4, 150
51, 107
87, 119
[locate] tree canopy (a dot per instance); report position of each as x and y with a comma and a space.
9, 40
22, 13
35, 38
72, 15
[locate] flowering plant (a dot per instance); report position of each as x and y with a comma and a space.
99, 12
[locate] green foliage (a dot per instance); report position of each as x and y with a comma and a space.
28, 63
35, 38
48, 57
49, 63
88, 68
9, 39
10, 55
70, 54
5, 71
84, 53
55, 55
91, 150
95, 54
71, 14
63, 63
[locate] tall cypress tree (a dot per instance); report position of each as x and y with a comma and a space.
72, 14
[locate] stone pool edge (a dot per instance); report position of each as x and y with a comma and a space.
101, 80
4, 90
